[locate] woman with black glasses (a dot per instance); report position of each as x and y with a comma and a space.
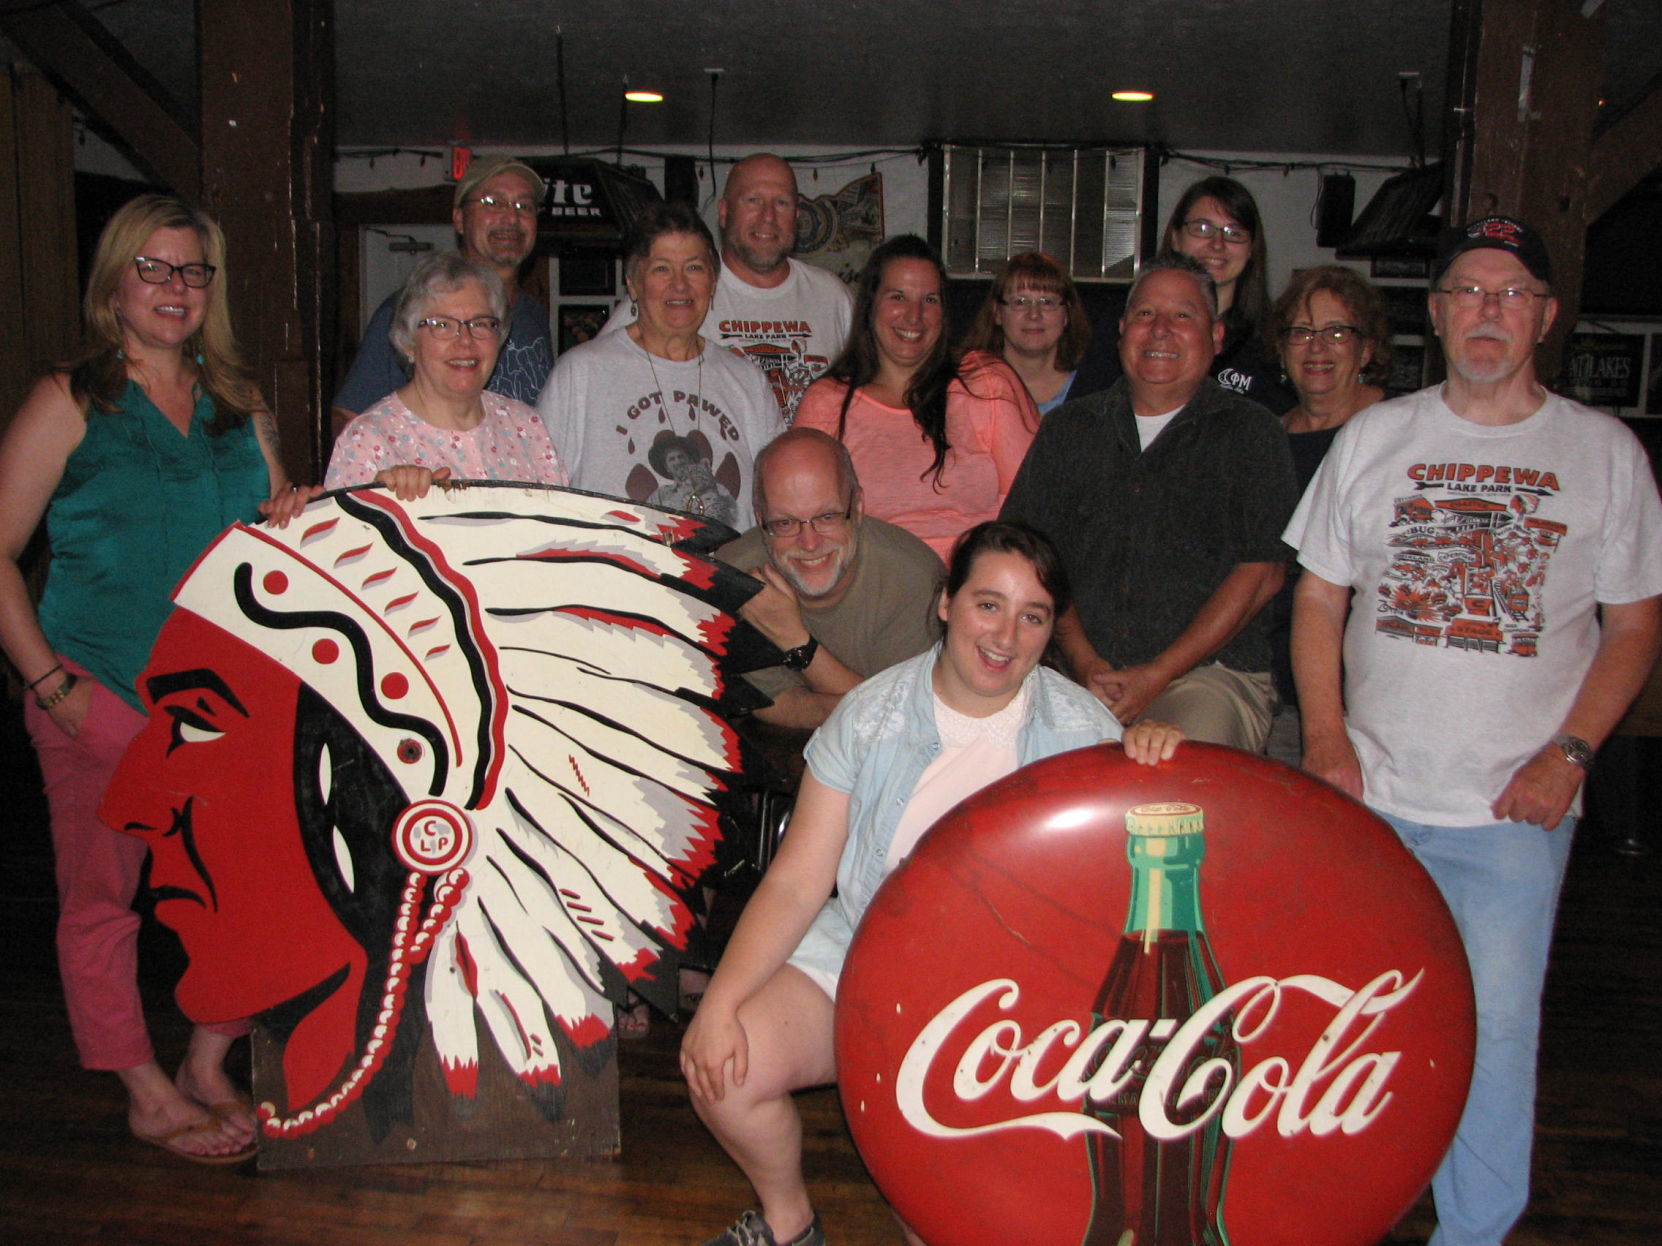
448, 324
1216, 222
1335, 343
137, 453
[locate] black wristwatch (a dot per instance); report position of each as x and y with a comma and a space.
799, 658
1575, 749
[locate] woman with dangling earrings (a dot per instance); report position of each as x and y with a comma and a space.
137, 453
625, 407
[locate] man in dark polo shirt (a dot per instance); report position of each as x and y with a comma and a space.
846, 595
1167, 496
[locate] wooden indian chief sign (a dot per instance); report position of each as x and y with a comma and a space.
427, 786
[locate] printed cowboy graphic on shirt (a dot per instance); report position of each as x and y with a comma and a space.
681, 471
1471, 549
780, 348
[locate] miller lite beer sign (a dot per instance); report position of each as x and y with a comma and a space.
1212, 1002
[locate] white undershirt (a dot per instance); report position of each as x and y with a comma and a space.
1151, 426
974, 752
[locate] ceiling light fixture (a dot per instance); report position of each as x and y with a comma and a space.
1133, 97
644, 97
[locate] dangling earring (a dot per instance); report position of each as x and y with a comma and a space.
200, 359
634, 310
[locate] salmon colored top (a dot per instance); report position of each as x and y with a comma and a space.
990, 422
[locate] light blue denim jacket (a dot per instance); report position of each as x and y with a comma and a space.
876, 746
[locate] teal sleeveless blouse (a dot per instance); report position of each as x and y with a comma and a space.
138, 503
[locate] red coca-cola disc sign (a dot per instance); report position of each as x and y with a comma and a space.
1266, 1040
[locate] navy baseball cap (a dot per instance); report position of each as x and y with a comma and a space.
1503, 233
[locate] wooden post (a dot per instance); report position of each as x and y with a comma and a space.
1523, 90
267, 149
37, 225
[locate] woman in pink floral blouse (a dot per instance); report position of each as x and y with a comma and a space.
444, 424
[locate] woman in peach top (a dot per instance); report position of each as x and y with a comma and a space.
936, 440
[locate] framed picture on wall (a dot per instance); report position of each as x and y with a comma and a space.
1400, 266
1407, 368
580, 322
1603, 369
1653, 382
1405, 308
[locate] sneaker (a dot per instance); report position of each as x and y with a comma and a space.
751, 1230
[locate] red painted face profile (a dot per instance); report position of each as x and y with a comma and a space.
209, 784
1211, 1002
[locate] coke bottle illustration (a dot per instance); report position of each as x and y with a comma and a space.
1149, 1192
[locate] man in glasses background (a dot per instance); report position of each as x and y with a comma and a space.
1483, 559
846, 595
495, 216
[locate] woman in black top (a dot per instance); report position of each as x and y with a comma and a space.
1216, 222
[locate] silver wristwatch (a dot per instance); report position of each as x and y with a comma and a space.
1575, 749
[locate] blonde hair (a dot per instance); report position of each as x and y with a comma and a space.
98, 375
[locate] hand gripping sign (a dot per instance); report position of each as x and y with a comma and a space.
428, 786
1211, 1002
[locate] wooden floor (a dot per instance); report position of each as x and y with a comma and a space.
69, 1172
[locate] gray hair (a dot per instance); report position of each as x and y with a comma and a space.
435, 275
1173, 262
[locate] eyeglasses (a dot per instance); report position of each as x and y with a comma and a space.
1303, 334
825, 525
160, 272
1512, 297
1234, 235
498, 203
1044, 303
443, 328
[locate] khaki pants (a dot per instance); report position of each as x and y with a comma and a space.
1219, 705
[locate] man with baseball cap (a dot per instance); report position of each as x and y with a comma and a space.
1504, 548
495, 216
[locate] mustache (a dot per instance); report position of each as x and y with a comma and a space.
1492, 332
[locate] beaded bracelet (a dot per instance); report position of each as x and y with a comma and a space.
30, 687
63, 690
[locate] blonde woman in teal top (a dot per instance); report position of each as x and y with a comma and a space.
137, 454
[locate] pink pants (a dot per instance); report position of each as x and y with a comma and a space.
98, 873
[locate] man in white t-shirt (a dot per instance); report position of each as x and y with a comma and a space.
1479, 605
788, 318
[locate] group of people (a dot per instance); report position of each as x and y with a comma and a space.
1477, 601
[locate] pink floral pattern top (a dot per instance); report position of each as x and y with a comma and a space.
510, 443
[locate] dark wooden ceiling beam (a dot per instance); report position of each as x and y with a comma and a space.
68, 44
1625, 152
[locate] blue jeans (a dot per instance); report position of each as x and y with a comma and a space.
1501, 882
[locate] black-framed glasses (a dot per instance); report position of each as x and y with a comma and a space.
1045, 303
1207, 230
1476, 296
501, 203
155, 272
825, 525
1303, 334
443, 328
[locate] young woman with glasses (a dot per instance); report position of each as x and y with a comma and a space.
1216, 222
137, 453
1034, 320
